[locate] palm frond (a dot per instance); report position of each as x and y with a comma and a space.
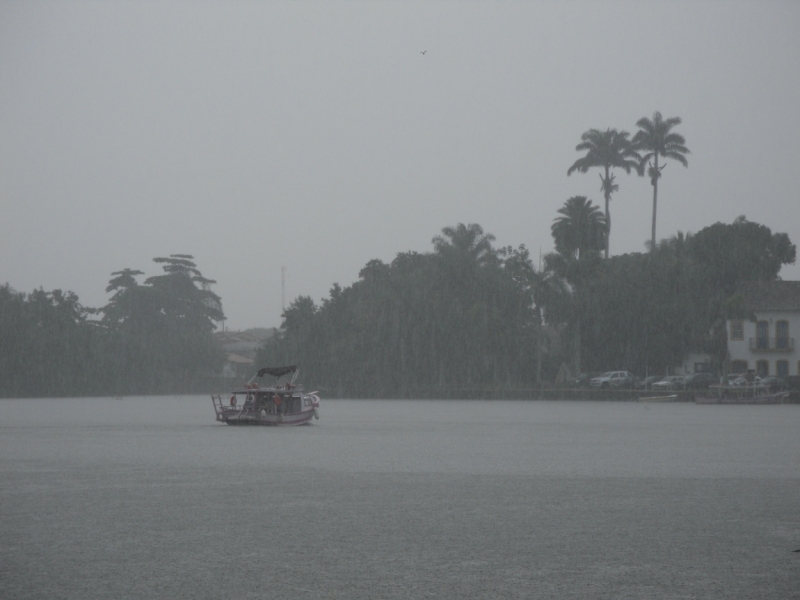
582, 165
677, 156
674, 138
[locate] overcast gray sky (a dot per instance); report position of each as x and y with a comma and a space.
317, 136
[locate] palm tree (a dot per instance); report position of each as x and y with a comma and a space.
608, 150
465, 242
579, 234
580, 228
655, 138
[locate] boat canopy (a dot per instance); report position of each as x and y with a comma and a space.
277, 371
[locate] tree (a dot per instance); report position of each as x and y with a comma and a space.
454, 321
656, 138
739, 252
607, 150
578, 234
159, 334
580, 228
465, 243
46, 343
550, 296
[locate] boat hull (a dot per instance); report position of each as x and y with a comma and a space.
271, 407
268, 420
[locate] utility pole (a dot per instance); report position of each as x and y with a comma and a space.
283, 289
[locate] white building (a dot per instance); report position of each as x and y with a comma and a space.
766, 345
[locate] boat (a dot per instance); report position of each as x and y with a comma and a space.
279, 404
725, 394
671, 398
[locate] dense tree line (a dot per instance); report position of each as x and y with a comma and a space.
465, 317
152, 337
460, 317
645, 312
469, 318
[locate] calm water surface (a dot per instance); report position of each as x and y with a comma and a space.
151, 498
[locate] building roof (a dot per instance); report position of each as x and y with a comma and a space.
771, 296
237, 358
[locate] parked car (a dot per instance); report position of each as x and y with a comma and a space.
742, 380
699, 381
647, 382
774, 383
733, 377
613, 379
583, 379
670, 382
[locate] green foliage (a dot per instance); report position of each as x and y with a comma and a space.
581, 228
460, 318
647, 312
655, 138
45, 343
609, 149
642, 314
152, 338
159, 335
741, 251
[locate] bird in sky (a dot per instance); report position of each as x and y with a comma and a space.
423, 52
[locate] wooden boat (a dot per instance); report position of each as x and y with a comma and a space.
278, 404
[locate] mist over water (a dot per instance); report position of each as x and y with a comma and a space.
149, 497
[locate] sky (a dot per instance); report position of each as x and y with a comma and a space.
312, 137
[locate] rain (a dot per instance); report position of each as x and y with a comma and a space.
525, 272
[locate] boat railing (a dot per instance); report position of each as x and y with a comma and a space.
292, 403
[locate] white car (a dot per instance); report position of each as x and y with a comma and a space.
670, 382
612, 379
742, 381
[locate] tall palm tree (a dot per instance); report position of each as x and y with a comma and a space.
609, 149
579, 234
656, 139
580, 228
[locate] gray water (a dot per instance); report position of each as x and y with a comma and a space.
151, 498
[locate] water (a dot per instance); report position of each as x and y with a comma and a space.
151, 498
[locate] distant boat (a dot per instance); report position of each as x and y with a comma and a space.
671, 398
277, 405
723, 394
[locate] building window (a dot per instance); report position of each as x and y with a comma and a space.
739, 366
762, 335
782, 368
782, 335
737, 330
762, 368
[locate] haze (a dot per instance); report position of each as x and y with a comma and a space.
318, 136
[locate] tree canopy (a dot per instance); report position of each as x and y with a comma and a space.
609, 149
459, 318
154, 337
